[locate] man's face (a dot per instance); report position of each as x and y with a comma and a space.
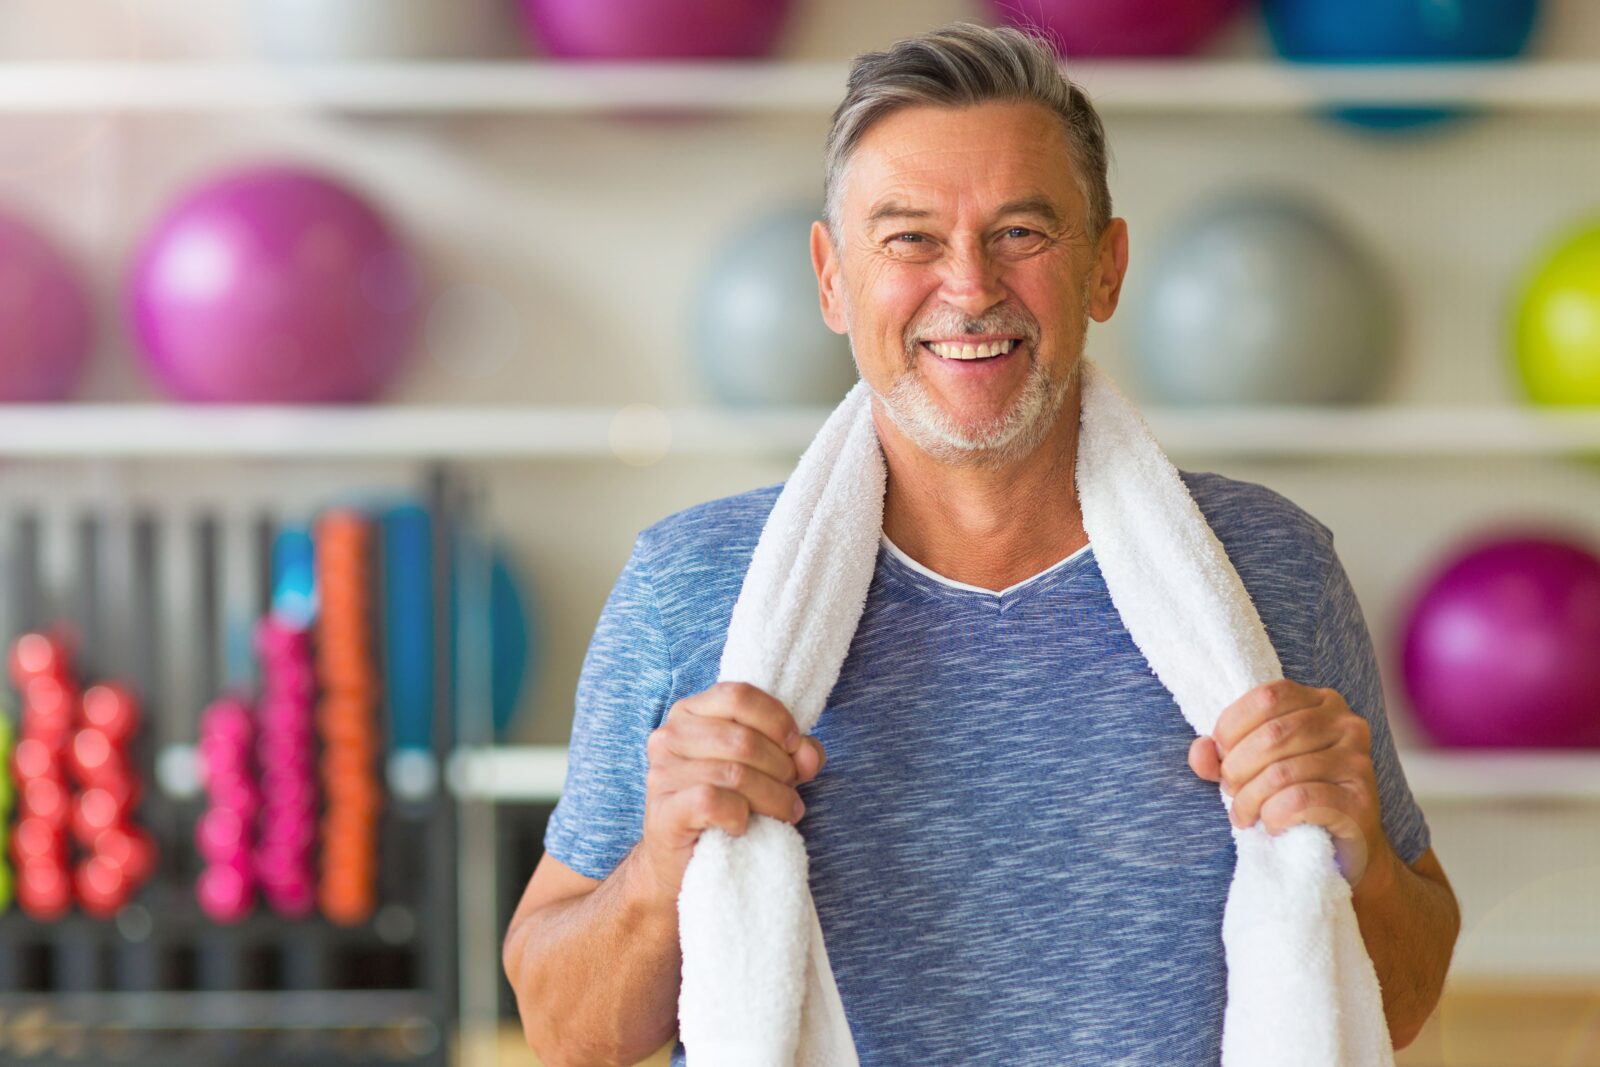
966, 225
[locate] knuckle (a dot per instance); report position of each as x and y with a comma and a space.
1280, 775
742, 743
735, 775
703, 800
655, 746
1362, 730
1276, 732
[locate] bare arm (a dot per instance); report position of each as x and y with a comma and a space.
594, 965
1409, 921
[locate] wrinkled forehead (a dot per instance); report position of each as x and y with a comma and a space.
940, 163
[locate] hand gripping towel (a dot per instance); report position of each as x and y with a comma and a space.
757, 990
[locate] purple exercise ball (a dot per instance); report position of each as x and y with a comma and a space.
1502, 646
274, 285
654, 29
44, 317
1120, 27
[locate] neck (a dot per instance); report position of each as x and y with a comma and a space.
986, 526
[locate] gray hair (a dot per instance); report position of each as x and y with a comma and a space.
962, 64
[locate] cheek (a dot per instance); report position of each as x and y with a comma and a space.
895, 294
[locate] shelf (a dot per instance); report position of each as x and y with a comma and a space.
1534, 775
643, 433
1125, 86
534, 774
528, 774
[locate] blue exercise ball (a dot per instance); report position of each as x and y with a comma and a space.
1398, 31
1262, 297
759, 336
514, 638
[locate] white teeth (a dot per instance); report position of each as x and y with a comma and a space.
983, 351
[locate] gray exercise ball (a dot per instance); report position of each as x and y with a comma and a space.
1263, 298
341, 30
758, 335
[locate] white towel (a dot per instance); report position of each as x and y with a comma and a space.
757, 988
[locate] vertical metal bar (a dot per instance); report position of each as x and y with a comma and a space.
125, 596
439, 943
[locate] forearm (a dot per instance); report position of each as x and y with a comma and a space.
1409, 924
596, 976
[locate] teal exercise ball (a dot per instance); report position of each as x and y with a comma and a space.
1263, 297
758, 335
1398, 31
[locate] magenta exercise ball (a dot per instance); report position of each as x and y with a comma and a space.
274, 284
44, 317
1501, 646
1120, 27
654, 29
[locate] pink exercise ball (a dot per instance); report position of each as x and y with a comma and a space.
1120, 27
44, 317
1502, 646
274, 285
654, 29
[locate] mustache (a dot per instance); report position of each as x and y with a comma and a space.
1008, 322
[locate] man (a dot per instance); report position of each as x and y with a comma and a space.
1017, 852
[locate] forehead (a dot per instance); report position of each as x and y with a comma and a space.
951, 160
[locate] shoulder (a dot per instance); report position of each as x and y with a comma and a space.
695, 560
713, 534
1254, 522
1282, 553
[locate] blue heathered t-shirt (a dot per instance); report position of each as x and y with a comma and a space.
1010, 857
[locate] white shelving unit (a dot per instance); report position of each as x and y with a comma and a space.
1185, 86
1188, 88
137, 431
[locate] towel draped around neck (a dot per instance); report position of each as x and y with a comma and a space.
757, 989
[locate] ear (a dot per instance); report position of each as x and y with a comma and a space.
1111, 263
825, 261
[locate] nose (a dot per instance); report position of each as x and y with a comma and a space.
971, 279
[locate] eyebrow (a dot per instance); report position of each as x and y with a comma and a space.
1028, 205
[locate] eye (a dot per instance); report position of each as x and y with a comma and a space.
1018, 231
914, 236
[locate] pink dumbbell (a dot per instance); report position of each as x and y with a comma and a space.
224, 835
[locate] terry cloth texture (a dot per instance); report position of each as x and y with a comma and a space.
1009, 855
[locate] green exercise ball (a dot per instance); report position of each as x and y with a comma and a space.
1556, 331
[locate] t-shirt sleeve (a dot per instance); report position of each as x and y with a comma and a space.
623, 687
1344, 661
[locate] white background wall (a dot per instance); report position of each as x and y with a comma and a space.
583, 239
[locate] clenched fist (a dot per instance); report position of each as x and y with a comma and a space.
719, 757
1289, 753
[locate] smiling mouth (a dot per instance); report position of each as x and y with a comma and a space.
964, 353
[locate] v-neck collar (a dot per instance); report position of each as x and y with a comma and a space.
933, 581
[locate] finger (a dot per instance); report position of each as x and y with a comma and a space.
1328, 806
689, 811
753, 706
1203, 759
1318, 803
685, 813
764, 794
700, 737
1320, 766
1306, 730
810, 759
1266, 701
